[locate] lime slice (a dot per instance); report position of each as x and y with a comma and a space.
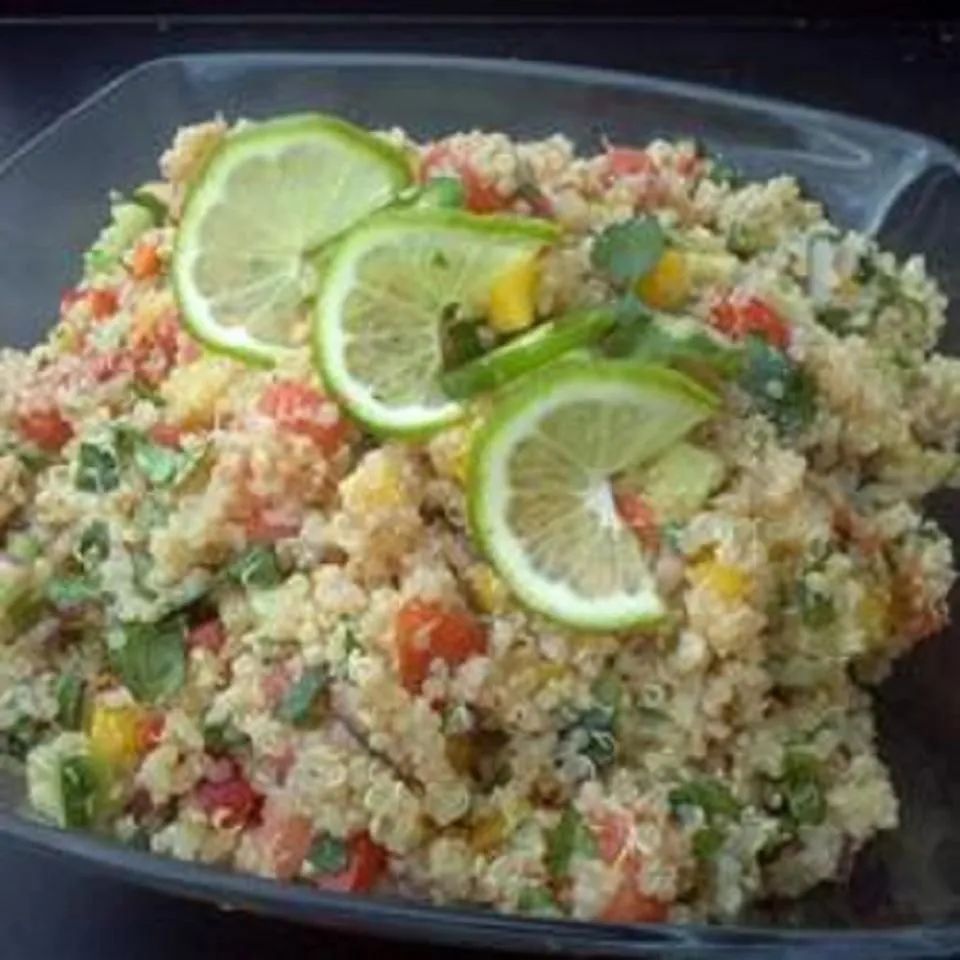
540, 495
527, 352
272, 195
391, 286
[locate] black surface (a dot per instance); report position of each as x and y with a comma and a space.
904, 73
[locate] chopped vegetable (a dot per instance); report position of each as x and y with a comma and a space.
128, 222
441, 192
98, 468
150, 658
367, 862
538, 902
71, 691
571, 837
45, 427
230, 802
513, 297
426, 631
299, 408
711, 796
68, 593
667, 286
780, 389
637, 514
801, 784
223, 738
628, 251
750, 318
210, 635
94, 545
115, 735
257, 567
328, 855
298, 703
80, 788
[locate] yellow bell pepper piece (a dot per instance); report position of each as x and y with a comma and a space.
513, 297
725, 580
115, 735
667, 285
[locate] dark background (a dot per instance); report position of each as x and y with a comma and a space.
904, 71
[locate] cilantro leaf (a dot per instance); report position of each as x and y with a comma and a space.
629, 250
297, 704
98, 468
328, 855
781, 390
151, 658
570, 837
256, 567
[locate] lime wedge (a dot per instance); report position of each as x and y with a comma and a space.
527, 352
272, 195
540, 496
389, 290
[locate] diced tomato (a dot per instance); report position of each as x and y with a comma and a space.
366, 865
284, 839
151, 730
266, 524
156, 352
629, 905
426, 630
613, 831
209, 635
301, 409
145, 261
637, 514
753, 316
275, 684
229, 802
103, 303
167, 435
628, 161
106, 366
480, 195
46, 427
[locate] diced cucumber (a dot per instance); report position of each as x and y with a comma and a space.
678, 483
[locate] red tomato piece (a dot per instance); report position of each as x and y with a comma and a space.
46, 427
613, 833
230, 802
628, 161
639, 517
209, 635
151, 730
629, 905
145, 261
284, 838
426, 630
167, 435
299, 408
753, 316
480, 195
366, 865
103, 303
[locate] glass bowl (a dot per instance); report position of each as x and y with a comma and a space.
902, 897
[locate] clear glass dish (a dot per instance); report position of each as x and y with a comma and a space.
903, 894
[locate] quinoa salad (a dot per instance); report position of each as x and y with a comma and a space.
258, 615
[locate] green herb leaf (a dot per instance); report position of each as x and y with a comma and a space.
817, 609
836, 319
780, 389
94, 545
802, 788
691, 350
631, 318
22, 737
79, 787
444, 192
223, 738
151, 659
328, 855
630, 250
298, 702
711, 796
159, 464
70, 697
98, 468
256, 567
707, 841
538, 902
570, 837
67, 593
721, 171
